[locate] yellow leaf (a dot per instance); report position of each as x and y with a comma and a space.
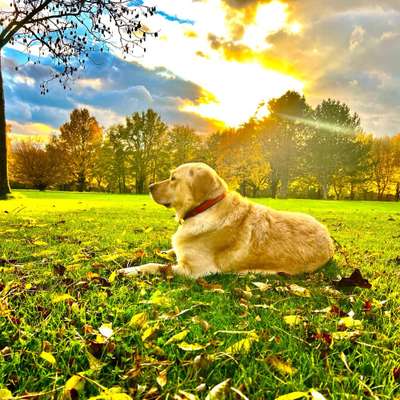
76, 384
292, 396
219, 391
58, 298
162, 378
112, 277
138, 320
262, 286
281, 366
190, 346
94, 363
316, 395
243, 345
299, 290
178, 337
166, 255
112, 394
149, 332
48, 357
349, 322
346, 335
5, 394
292, 320
40, 243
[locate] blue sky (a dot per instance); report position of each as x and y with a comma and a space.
216, 59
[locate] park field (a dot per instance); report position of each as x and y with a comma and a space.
70, 328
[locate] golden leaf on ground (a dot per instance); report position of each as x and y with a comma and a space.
112, 277
292, 396
219, 391
185, 396
299, 290
48, 357
5, 394
94, 363
115, 393
74, 385
346, 335
293, 320
162, 377
349, 322
58, 298
190, 346
262, 286
243, 345
149, 332
166, 255
138, 320
281, 366
178, 337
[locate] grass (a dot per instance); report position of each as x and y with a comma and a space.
58, 303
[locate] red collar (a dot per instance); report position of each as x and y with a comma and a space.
203, 206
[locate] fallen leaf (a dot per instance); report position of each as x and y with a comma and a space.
190, 346
94, 363
5, 394
262, 286
166, 255
162, 378
112, 277
349, 322
299, 290
149, 332
138, 320
292, 396
72, 387
354, 280
178, 337
243, 345
208, 286
48, 357
292, 320
346, 335
114, 393
185, 396
106, 330
281, 366
219, 391
58, 298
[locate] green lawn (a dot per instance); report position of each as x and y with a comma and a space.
68, 329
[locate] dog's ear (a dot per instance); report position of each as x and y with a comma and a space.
206, 184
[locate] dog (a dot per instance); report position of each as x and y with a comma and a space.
222, 232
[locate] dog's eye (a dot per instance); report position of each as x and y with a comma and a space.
173, 178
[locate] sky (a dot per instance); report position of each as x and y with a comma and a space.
215, 61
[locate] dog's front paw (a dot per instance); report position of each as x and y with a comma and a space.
130, 271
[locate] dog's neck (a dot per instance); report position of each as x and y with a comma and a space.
203, 206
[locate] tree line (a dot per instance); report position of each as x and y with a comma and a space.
296, 151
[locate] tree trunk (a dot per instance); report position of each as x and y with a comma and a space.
283, 190
397, 196
325, 189
4, 184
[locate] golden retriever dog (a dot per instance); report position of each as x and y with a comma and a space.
220, 231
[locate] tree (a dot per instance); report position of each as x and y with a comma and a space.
283, 134
66, 32
184, 144
79, 142
143, 136
331, 147
35, 165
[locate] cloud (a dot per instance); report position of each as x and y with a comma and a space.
356, 37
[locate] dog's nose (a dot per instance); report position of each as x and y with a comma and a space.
152, 186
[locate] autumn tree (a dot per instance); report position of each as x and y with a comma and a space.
184, 144
36, 165
79, 143
67, 33
143, 137
283, 134
333, 153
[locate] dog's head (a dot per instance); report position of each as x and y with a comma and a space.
188, 186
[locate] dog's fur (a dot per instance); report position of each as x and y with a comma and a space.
235, 235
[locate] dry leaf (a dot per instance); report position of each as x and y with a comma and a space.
112, 276
346, 335
349, 322
293, 320
219, 391
292, 396
281, 366
178, 337
149, 332
106, 330
262, 286
166, 255
5, 394
162, 378
299, 290
48, 357
190, 346
72, 387
138, 320
94, 363
243, 345
58, 298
